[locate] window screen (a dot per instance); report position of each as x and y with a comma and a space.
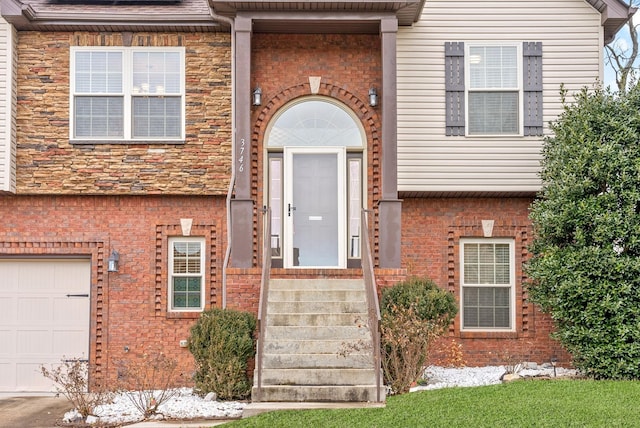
487, 285
494, 90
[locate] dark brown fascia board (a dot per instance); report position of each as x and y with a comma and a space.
419, 9
16, 13
409, 10
24, 17
614, 14
319, 16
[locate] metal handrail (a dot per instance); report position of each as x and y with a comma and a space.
373, 305
264, 293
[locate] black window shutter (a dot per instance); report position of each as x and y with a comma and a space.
454, 87
532, 87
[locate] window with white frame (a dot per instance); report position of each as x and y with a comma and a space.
127, 93
487, 278
186, 274
494, 85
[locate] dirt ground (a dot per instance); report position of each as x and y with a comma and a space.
32, 412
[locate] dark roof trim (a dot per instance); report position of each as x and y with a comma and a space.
614, 13
24, 17
406, 11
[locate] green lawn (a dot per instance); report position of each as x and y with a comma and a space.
529, 403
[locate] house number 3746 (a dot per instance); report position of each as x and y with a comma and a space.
241, 157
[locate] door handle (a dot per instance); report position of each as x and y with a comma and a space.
290, 208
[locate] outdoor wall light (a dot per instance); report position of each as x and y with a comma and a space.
554, 363
257, 96
373, 97
113, 261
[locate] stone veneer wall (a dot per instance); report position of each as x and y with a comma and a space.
48, 164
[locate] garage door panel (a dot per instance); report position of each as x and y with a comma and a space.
40, 324
29, 378
70, 310
9, 277
34, 280
30, 342
7, 342
69, 344
7, 310
72, 278
7, 376
35, 311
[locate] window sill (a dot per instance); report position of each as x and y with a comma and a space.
487, 334
144, 142
183, 315
496, 136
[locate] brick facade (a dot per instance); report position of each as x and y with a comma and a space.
282, 65
128, 307
87, 200
431, 233
48, 164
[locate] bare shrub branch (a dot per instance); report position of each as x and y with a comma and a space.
71, 380
150, 379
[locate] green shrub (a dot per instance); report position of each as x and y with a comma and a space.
222, 342
414, 313
430, 302
585, 265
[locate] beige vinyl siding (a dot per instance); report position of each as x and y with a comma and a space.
7, 108
429, 161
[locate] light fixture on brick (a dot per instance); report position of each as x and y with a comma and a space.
257, 96
373, 97
113, 261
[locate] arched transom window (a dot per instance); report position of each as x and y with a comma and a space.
315, 122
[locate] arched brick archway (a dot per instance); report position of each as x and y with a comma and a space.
264, 114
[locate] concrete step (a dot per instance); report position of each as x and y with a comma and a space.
316, 361
332, 347
318, 319
317, 296
346, 332
316, 284
317, 345
317, 307
317, 393
318, 377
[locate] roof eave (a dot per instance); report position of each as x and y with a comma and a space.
614, 15
24, 17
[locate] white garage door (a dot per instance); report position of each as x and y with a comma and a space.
44, 317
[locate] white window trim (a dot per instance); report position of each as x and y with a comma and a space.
127, 87
171, 275
519, 89
512, 294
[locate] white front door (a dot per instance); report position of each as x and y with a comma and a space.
314, 207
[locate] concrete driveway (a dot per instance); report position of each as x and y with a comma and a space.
32, 411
